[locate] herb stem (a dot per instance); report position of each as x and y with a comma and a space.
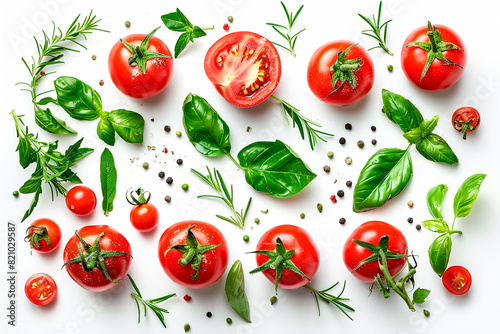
399, 287
234, 160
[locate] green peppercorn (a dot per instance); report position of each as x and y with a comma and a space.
229, 321
145, 165
329, 154
185, 186
410, 204
264, 211
273, 300
94, 57
302, 215
230, 19
390, 68
178, 133
15, 193
257, 220
127, 24
186, 327
426, 313
246, 238
320, 207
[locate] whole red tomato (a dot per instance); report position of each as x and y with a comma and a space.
41, 289
457, 280
466, 120
297, 250
340, 73
81, 200
140, 66
371, 232
244, 67
433, 57
194, 254
43, 235
104, 261
144, 216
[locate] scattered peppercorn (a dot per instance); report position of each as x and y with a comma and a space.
42, 73
168, 199
229, 321
15, 193
427, 313
178, 133
410, 220
165, 150
94, 57
342, 140
230, 19
246, 238
273, 300
187, 327
333, 199
249, 128
390, 68
101, 83
145, 165
302, 215
348, 126
348, 160
342, 220
264, 211
340, 193
257, 220
374, 128
185, 186
127, 24
320, 207
329, 154
348, 184
418, 227
170, 180
152, 119
161, 174
225, 27
374, 142
209, 314
327, 169
167, 128
179, 162
187, 297
361, 144
410, 204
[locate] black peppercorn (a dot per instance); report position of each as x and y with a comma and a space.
161, 174
167, 128
340, 193
327, 169
342, 220
179, 162
374, 141
349, 184
342, 140
410, 220
418, 227
373, 128
170, 180
348, 126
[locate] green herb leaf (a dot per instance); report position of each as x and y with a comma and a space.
376, 29
78, 99
435, 198
439, 253
420, 295
436, 225
27, 154
181, 43
401, 111
75, 153
467, 195
33, 183
383, 177
434, 148
205, 129
105, 131
108, 180
33, 204
286, 32
414, 136
235, 291
274, 168
128, 124
48, 122
429, 125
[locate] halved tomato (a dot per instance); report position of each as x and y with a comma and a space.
244, 67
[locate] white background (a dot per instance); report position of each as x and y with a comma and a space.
77, 311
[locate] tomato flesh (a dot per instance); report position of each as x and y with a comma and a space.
41, 289
244, 68
457, 280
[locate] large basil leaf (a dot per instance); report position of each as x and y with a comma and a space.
205, 129
235, 291
467, 194
108, 180
436, 225
274, 168
105, 130
439, 253
50, 123
435, 148
401, 111
435, 198
78, 99
383, 177
128, 124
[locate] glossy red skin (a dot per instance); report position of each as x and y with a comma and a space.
464, 114
53, 231
144, 217
232, 90
306, 256
32, 293
214, 261
129, 79
319, 79
81, 200
117, 267
439, 76
457, 280
371, 232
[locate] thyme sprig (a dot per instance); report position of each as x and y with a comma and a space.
331, 299
376, 29
287, 35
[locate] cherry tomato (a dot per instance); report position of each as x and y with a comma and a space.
245, 68
194, 254
41, 289
81, 200
144, 216
466, 120
110, 253
305, 255
371, 232
340, 73
457, 280
151, 65
44, 235
446, 61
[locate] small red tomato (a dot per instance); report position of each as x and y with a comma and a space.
466, 120
457, 280
44, 235
340, 73
140, 66
81, 200
41, 289
144, 216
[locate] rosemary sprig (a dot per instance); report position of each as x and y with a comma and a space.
302, 122
219, 186
331, 299
49, 53
376, 30
149, 303
291, 39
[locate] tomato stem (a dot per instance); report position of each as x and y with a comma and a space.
432, 40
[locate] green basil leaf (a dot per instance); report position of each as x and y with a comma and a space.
414, 136
429, 125
128, 124
435, 148
78, 99
105, 131
27, 154
182, 42
439, 253
108, 180
47, 121
33, 204
419, 295
436, 225
383, 177
198, 32
176, 21
401, 111
205, 129
235, 291
467, 195
435, 198
46, 100
274, 168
